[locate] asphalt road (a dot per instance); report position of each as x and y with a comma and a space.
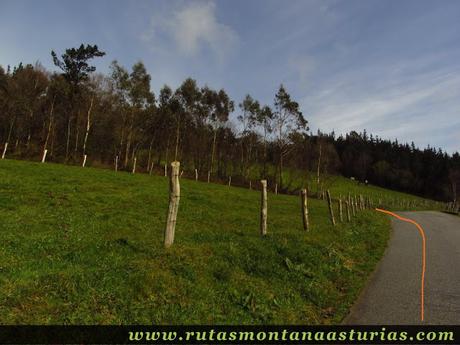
392, 295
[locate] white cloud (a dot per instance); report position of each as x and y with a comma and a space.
192, 28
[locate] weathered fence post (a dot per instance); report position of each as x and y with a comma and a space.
353, 206
174, 197
340, 210
263, 208
116, 163
4, 150
347, 207
45, 151
331, 211
134, 165
304, 203
196, 174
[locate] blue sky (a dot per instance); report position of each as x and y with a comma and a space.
390, 67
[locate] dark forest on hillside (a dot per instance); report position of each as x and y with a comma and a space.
79, 112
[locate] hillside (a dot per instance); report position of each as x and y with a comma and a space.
84, 246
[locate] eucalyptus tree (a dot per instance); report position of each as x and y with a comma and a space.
219, 107
286, 118
136, 100
167, 122
187, 104
250, 108
142, 101
76, 69
264, 120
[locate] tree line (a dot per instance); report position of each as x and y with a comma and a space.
75, 111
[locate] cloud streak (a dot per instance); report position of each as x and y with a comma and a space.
193, 28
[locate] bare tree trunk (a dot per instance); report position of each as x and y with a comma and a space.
53, 137
340, 210
116, 163
347, 207
50, 124
4, 150
150, 156
134, 165
318, 169
88, 124
10, 131
129, 137
304, 203
196, 175
331, 210
265, 158
45, 151
67, 147
176, 150
84, 161
29, 135
263, 209
213, 151
229, 181
174, 198
77, 132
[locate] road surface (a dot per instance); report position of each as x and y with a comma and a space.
393, 292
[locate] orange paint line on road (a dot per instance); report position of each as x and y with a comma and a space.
422, 233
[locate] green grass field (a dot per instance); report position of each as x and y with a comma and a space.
85, 246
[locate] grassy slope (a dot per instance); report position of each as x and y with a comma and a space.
83, 246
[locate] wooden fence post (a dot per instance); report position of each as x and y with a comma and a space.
353, 206
263, 208
84, 161
4, 150
45, 151
304, 204
134, 165
116, 163
340, 210
174, 198
331, 211
347, 206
